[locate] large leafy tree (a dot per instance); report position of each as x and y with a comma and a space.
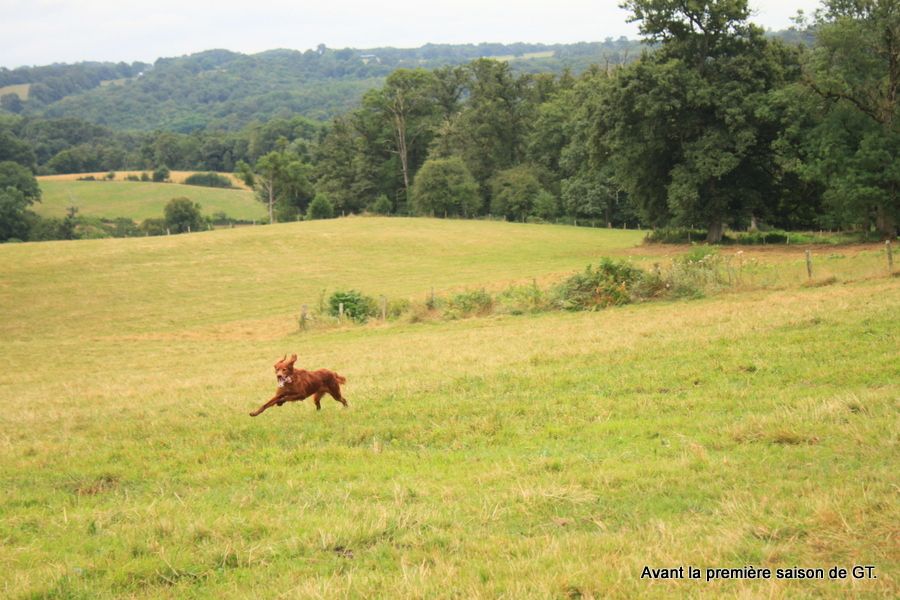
343, 168
281, 181
489, 132
296, 191
16, 150
855, 69
18, 190
408, 109
13, 214
444, 187
182, 215
560, 143
514, 191
13, 175
687, 128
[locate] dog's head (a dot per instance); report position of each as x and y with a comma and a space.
284, 369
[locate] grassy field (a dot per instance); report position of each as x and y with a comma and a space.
525, 56
174, 176
120, 81
19, 89
139, 200
539, 456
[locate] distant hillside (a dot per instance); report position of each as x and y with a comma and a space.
32, 88
225, 90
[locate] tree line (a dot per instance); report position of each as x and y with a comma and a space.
715, 126
70, 145
718, 126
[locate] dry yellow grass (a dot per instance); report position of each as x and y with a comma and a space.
19, 89
544, 456
174, 176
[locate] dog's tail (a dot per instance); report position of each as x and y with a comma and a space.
340, 378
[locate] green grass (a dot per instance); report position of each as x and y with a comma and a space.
141, 200
540, 456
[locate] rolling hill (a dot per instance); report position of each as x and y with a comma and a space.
224, 90
546, 455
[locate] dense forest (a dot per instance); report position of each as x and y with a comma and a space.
225, 91
712, 125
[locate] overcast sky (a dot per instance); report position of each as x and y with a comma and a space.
38, 32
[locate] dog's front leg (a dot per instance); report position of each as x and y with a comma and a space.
276, 400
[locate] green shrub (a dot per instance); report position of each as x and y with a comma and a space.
466, 304
161, 174
763, 237
697, 254
209, 179
44, 228
522, 299
153, 226
91, 228
220, 217
675, 235
396, 308
609, 284
656, 286
357, 306
132, 178
122, 227
700, 268
145, 177
382, 205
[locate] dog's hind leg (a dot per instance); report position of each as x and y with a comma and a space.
318, 400
335, 391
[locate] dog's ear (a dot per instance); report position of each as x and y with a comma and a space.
293, 359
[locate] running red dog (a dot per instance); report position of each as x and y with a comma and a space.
297, 384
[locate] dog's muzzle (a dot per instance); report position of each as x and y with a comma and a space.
284, 380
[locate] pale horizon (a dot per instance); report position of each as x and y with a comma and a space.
42, 32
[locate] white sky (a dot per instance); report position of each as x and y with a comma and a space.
38, 32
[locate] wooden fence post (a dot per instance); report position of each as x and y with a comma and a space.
341, 311
303, 317
890, 257
384, 308
809, 264
168, 232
